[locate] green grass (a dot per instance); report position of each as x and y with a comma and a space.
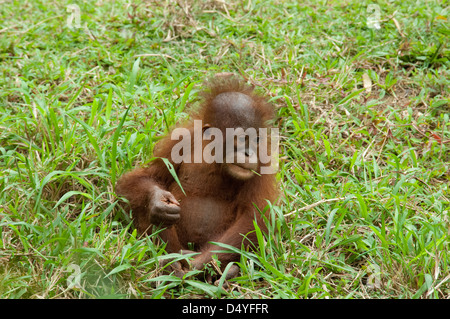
364, 210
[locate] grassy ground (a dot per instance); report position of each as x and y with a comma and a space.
363, 112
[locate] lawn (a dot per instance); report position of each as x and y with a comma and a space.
363, 105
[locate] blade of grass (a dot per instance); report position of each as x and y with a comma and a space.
113, 158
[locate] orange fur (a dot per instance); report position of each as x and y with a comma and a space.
215, 207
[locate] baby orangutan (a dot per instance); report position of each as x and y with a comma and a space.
222, 185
